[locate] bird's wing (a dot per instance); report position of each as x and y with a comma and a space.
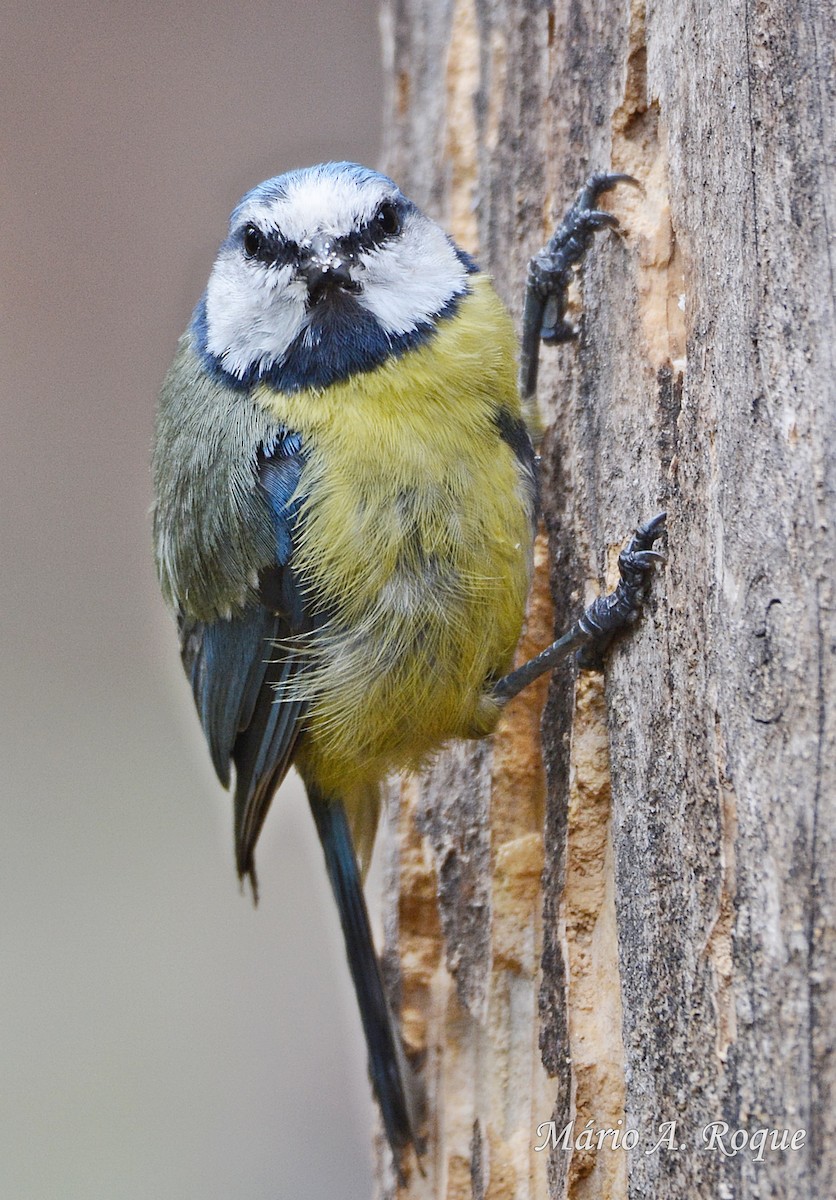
238, 666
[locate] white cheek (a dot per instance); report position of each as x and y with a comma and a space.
253, 314
410, 280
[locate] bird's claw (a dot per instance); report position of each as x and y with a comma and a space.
600, 182
603, 619
550, 271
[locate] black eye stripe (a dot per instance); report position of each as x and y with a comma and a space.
384, 225
267, 246
270, 247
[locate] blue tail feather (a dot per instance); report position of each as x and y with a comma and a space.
390, 1074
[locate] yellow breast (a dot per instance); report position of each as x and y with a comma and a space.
415, 535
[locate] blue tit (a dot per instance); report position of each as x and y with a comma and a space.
345, 505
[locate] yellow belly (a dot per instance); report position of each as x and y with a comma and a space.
416, 536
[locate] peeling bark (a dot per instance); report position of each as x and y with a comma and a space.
628, 914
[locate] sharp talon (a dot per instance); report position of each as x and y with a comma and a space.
601, 182
599, 218
653, 526
646, 535
614, 177
644, 558
633, 182
631, 179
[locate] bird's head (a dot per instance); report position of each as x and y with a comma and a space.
325, 271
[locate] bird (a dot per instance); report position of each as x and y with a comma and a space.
346, 498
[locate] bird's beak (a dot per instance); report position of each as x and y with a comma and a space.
325, 263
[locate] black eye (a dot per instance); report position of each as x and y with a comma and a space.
253, 241
387, 219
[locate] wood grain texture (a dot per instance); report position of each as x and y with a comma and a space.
644, 932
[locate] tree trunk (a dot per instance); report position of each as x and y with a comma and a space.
643, 932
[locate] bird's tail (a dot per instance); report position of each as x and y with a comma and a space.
392, 1079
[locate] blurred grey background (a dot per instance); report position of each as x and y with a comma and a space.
158, 1037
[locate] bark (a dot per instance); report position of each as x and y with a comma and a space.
627, 913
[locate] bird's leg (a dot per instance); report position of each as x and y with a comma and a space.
601, 621
544, 319
550, 272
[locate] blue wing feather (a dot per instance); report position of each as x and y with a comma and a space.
225, 663
235, 665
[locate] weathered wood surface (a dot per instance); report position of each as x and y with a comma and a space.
649, 937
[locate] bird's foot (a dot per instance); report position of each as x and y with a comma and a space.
602, 620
